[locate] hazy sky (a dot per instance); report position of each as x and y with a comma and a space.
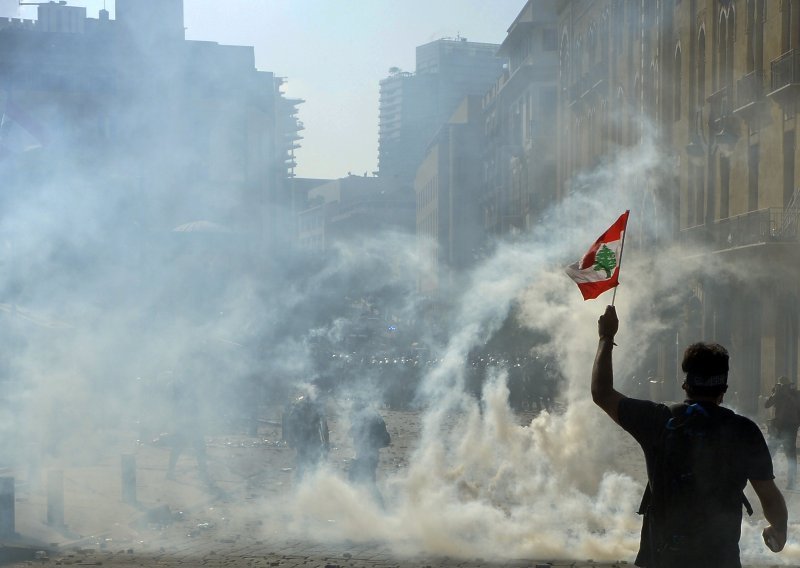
333, 54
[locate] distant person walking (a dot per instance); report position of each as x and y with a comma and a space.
783, 427
306, 430
369, 433
699, 458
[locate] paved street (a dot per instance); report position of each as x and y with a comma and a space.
240, 520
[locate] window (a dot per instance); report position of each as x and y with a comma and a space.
701, 69
677, 85
790, 23
724, 187
549, 39
752, 177
788, 166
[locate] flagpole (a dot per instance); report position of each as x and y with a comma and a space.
621, 250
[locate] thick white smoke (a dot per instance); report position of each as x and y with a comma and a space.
567, 484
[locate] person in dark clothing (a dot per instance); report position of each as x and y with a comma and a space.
306, 430
369, 434
699, 457
783, 427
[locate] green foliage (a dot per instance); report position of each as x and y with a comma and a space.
605, 259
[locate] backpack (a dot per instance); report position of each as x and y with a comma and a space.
691, 489
369, 432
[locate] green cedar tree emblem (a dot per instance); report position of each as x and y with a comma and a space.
605, 259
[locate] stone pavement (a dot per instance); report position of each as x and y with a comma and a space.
186, 522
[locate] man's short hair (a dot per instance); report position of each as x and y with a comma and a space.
706, 368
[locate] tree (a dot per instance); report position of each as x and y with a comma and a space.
605, 259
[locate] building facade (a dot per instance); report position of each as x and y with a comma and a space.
717, 80
448, 189
519, 125
353, 207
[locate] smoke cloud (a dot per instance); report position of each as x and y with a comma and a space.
106, 311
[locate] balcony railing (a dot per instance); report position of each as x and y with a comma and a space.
749, 89
771, 225
590, 83
720, 108
785, 70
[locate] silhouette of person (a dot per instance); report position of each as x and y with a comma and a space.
307, 432
783, 427
369, 434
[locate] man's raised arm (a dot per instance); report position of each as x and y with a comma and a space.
603, 393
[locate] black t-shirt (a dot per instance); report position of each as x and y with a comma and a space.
747, 458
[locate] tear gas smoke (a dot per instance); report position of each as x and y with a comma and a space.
567, 484
104, 314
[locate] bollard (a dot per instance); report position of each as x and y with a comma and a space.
129, 478
7, 506
55, 498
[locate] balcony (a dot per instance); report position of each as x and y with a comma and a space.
721, 120
590, 86
749, 94
772, 225
785, 79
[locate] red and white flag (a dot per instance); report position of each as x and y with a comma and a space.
598, 270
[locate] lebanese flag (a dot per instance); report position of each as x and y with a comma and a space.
598, 270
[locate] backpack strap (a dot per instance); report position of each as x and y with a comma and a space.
747, 506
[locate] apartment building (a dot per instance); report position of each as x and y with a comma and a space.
719, 82
519, 124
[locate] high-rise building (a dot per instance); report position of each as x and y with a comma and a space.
414, 105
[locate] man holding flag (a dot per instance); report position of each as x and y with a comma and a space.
699, 458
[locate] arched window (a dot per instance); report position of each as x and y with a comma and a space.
701, 69
727, 25
751, 35
790, 24
677, 84
759, 17
592, 44
563, 57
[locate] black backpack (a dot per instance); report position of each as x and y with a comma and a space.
693, 485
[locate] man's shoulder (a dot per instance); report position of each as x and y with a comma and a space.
643, 404
739, 421
636, 411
